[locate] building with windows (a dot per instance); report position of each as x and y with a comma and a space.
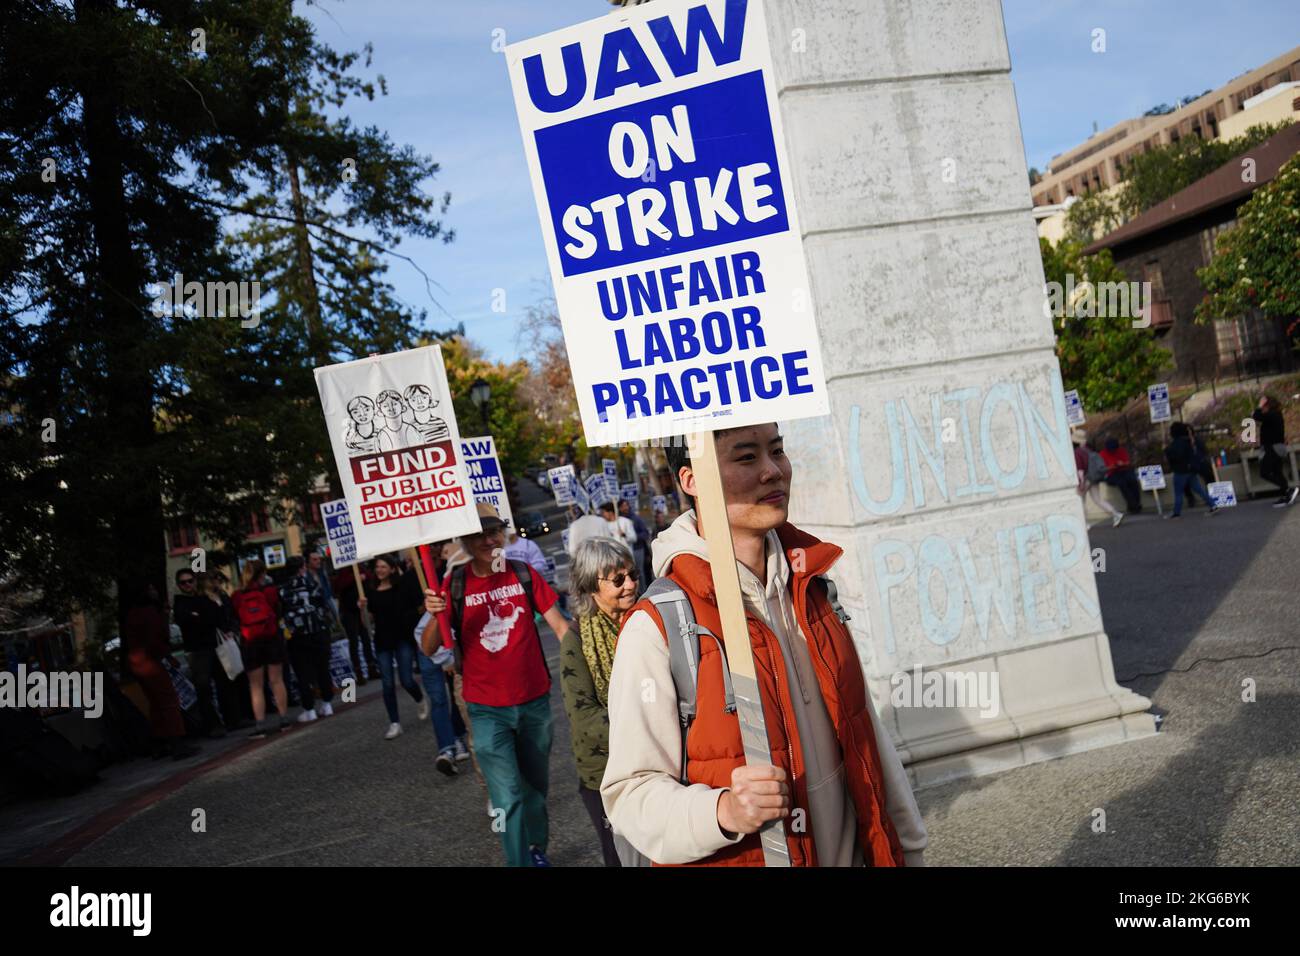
265, 537
1098, 163
1170, 241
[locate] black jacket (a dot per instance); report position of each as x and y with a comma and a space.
303, 605
1272, 427
395, 611
197, 616
1181, 456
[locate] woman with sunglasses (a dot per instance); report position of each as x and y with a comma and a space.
603, 588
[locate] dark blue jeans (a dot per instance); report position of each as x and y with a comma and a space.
441, 708
403, 656
1189, 483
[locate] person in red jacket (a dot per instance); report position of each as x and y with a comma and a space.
146, 641
257, 603
1119, 473
835, 780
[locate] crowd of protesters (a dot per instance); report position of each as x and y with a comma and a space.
656, 788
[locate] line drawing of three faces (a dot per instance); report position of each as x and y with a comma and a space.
393, 420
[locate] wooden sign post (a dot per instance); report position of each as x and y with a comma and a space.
711, 517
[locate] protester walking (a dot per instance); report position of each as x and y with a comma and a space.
681, 790
436, 662
1272, 442
354, 624
486, 616
1091, 469
257, 606
582, 527
146, 642
603, 588
394, 603
197, 617
307, 611
641, 548
1120, 474
1181, 455
240, 715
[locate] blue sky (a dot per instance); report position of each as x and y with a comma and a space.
449, 97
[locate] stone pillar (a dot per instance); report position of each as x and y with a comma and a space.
945, 470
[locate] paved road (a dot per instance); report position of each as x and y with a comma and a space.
1193, 608
336, 793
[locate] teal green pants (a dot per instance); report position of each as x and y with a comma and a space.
513, 746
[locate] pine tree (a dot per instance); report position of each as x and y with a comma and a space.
134, 132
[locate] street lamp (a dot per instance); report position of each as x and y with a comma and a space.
479, 393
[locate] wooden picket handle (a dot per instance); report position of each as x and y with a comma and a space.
711, 518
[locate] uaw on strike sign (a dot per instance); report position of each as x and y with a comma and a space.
654, 142
398, 450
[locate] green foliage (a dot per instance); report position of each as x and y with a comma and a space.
1104, 357
1092, 216
1256, 263
512, 420
1154, 176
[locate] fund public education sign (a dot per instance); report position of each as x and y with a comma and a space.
398, 450
658, 161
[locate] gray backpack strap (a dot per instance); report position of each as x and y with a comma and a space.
833, 596
683, 636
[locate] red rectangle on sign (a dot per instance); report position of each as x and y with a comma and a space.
404, 461
412, 507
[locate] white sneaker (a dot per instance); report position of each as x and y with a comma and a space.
460, 751
307, 716
1114, 522
424, 707
394, 730
325, 710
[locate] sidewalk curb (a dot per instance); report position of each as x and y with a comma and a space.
74, 841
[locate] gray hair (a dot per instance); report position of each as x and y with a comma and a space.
595, 558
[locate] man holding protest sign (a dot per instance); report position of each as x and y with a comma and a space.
834, 779
485, 613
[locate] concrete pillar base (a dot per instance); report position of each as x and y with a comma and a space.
1041, 747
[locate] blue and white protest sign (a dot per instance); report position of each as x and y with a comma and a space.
338, 529
562, 482
1073, 408
340, 663
630, 492
595, 488
485, 477
610, 467
655, 146
660, 504
1222, 494
1158, 399
548, 562
1152, 477
582, 499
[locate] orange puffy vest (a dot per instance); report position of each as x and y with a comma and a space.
713, 743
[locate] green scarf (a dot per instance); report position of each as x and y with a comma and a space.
599, 635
